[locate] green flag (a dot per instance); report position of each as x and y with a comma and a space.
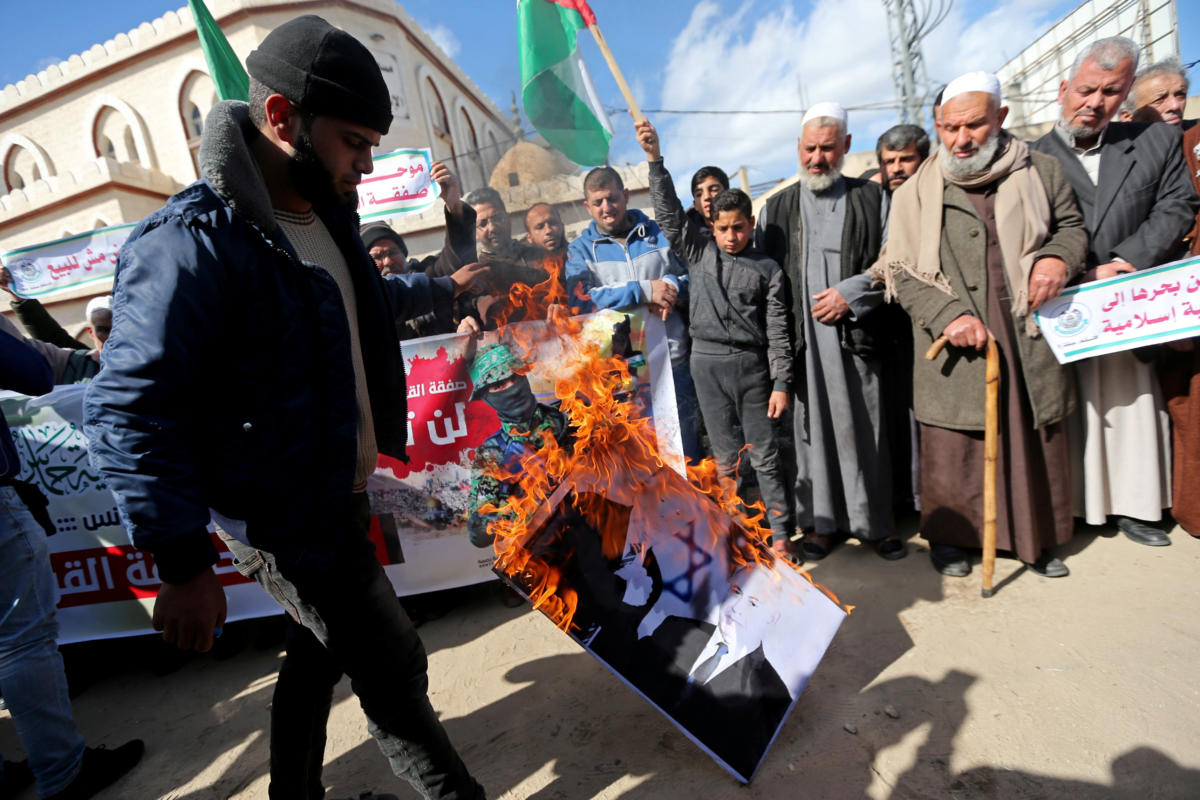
227, 72
556, 89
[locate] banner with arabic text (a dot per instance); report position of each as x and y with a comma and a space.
399, 184
43, 269
1151, 306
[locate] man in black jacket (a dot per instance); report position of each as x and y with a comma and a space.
825, 231
252, 375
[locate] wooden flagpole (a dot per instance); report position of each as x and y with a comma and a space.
613, 67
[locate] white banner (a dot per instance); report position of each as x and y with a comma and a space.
43, 269
400, 184
1151, 306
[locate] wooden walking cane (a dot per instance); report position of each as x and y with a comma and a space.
991, 446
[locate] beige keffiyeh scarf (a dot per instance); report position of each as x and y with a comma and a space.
1022, 217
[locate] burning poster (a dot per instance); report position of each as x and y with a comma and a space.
666, 579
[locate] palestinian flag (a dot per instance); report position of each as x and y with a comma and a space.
556, 89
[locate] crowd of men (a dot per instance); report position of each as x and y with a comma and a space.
798, 329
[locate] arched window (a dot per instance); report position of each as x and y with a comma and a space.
196, 97
438, 118
471, 145
113, 136
20, 169
491, 152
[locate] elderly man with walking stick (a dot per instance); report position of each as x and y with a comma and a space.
983, 234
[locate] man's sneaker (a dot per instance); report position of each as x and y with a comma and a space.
101, 767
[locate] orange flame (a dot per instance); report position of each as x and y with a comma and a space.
527, 302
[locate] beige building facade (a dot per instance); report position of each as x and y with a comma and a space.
108, 135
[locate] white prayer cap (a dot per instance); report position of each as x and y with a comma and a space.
101, 303
825, 110
977, 81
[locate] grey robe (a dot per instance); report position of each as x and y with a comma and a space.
843, 472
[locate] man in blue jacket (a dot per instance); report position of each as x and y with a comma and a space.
253, 374
622, 260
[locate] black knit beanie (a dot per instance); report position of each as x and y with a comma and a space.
323, 70
381, 230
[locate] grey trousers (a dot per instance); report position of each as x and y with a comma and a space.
734, 389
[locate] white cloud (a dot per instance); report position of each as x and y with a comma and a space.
444, 38
766, 56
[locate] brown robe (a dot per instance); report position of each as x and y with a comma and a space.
1179, 373
1033, 484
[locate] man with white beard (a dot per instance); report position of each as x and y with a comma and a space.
984, 233
825, 230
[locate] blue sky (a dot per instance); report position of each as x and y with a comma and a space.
677, 54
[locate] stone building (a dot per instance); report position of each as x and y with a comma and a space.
108, 135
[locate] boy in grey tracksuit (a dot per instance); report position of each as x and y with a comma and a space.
741, 357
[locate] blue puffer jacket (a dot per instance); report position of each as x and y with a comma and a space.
227, 381
618, 275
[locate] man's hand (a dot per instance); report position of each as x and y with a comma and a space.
966, 331
777, 404
663, 295
1113, 268
469, 325
1046, 280
647, 137
466, 278
829, 306
189, 613
450, 186
6, 282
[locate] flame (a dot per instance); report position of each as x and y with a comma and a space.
527, 302
614, 445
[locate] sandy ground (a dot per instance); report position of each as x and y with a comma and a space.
1081, 688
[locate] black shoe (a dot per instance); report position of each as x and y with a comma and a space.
1141, 532
816, 546
892, 549
1049, 567
950, 560
101, 767
17, 777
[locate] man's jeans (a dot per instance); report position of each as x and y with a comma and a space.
31, 670
354, 624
